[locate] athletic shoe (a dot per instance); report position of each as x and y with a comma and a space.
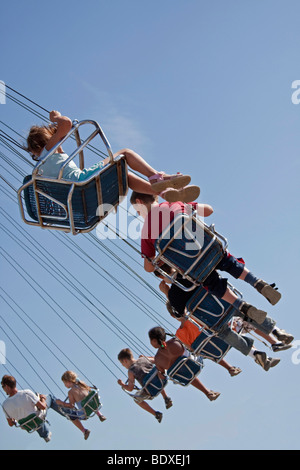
253, 313
269, 291
283, 336
168, 402
48, 438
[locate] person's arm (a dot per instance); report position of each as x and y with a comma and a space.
148, 266
41, 404
130, 384
64, 125
150, 358
204, 210
11, 422
163, 286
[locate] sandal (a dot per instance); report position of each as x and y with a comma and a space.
187, 194
233, 371
213, 395
168, 402
161, 181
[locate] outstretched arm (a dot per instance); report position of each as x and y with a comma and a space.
64, 125
148, 266
130, 384
204, 210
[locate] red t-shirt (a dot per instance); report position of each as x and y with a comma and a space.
160, 216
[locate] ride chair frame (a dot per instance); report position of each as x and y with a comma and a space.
66, 222
187, 273
31, 423
217, 320
93, 398
185, 369
153, 384
87, 406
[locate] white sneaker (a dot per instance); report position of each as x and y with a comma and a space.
48, 438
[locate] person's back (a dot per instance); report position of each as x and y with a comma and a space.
52, 165
187, 333
21, 405
166, 356
141, 367
79, 393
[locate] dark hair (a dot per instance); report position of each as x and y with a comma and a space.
157, 333
9, 380
172, 310
125, 354
143, 197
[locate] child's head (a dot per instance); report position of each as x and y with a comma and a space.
137, 198
142, 202
125, 356
157, 336
70, 379
174, 312
37, 139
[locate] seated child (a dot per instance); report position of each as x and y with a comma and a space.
137, 370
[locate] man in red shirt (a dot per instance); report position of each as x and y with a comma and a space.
158, 216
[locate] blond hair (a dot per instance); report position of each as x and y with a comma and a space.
70, 376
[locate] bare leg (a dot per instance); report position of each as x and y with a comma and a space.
209, 393
268, 338
229, 297
147, 407
231, 369
137, 163
178, 191
140, 185
79, 425
244, 274
225, 364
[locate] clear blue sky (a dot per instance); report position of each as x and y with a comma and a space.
202, 87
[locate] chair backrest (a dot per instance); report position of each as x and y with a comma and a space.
191, 247
91, 403
208, 310
209, 346
185, 370
31, 423
70, 206
153, 383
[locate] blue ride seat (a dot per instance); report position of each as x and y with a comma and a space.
73, 206
190, 247
185, 369
48, 206
208, 310
209, 346
153, 384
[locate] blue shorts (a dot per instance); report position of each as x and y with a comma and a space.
216, 284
